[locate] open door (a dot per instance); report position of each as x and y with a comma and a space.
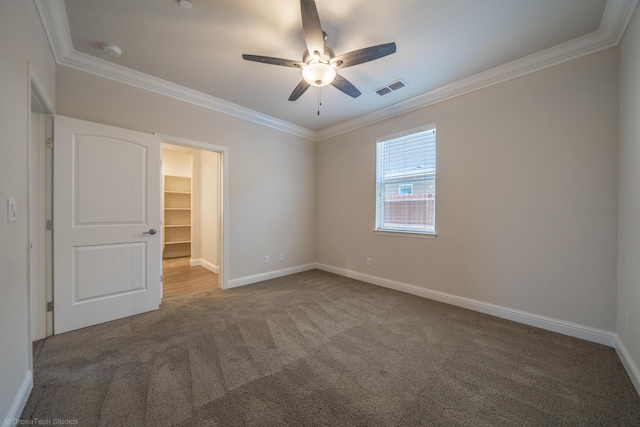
107, 242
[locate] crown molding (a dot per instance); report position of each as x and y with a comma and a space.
54, 21
90, 64
615, 19
53, 16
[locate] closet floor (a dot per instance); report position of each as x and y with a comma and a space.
180, 278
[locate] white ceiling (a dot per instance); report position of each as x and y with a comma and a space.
444, 47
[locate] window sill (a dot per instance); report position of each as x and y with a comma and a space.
411, 234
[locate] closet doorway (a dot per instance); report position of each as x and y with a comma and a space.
191, 220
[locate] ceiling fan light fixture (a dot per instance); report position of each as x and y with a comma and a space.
319, 62
318, 74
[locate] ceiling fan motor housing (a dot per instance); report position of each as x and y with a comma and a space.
329, 54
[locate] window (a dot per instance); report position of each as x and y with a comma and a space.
406, 182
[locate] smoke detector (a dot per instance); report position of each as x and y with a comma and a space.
111, 49
186, 4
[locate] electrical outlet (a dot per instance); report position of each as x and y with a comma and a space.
626, 322
281, 257
368, 261
266, 259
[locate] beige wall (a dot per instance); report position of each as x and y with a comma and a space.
177, 161
629, 210
210, 213
526, 196
23, 42
271, 174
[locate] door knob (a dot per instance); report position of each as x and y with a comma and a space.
151, 231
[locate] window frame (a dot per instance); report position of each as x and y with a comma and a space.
400, 232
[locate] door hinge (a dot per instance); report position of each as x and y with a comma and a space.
161, 278
49, 306
49, 225
49, 142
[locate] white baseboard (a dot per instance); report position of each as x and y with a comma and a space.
629, 364
206, 264
20, 401
567, 328
234, 283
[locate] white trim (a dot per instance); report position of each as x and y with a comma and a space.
223, 250
53, 16
567, 328
41, 94
247, 280
628, 362
90, 64
404, 233
582, 46
409, 132
19, 401
615, 19
206, 264
37, 315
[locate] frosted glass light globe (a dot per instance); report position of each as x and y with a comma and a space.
318, 74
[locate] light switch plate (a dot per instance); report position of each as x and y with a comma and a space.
12, 210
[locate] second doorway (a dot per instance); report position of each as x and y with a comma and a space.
190, 220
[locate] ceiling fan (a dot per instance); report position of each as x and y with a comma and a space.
319, 63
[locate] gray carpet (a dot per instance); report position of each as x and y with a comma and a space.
319, 349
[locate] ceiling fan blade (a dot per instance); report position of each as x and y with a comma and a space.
345, 86
364, 55
299, 90
273, 61
311, 27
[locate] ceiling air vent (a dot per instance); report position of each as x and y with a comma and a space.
385, 90
391, 88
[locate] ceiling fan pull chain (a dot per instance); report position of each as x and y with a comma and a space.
319, 99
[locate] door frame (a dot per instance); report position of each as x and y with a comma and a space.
40, 239
223, 196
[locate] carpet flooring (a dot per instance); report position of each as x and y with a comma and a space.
317, 349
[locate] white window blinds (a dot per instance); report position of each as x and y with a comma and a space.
407, 162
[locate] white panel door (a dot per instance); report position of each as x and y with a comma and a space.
107, 242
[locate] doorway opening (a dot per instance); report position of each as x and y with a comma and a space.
40, 213
191, 218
